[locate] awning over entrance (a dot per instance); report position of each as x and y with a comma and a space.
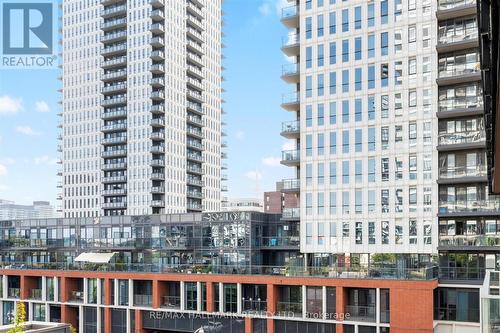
95, 258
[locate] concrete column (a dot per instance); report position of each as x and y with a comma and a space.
239, 296
377, 305
47, 312
1, 313
323, 301
304, 301
117, 293
80, 316
130, 292
183, 295
44, 288
85, 291
29, 307
129, 329
221, 297
98, 321
56, 289
99, 291
5, 286
156, 299
198, 296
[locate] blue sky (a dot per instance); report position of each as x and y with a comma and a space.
28, 111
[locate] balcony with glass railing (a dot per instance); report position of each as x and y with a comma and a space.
290, 129
459, 67
290, 157
457, 172
292, 185
291, 44
290, 16
291, 213
455, 8
291, 73
460, 103
469, 206
291, 101
361, 313
447, 37
289, 309
461, 138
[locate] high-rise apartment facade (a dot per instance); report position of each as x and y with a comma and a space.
364, 103
142, 107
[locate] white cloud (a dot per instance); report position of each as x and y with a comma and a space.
44, 160
42, 106
266, 7
9, 105
271, 161
240, 135
289, 145
27, 130
8, 161
254, 175
3, 170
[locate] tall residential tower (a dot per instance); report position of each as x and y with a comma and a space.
364, 107
142, 107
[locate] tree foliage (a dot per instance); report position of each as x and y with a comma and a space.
19, 319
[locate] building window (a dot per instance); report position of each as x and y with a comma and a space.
333, 83
321, 144
358, 79
333, 113
357, 48
333, 143
309, 87
359, 232
371, 15
321, 30
309, 145
345, 80
371, 139
371, 170
358, 140
333, 173
309, 115
371, 46
308, 27
358, 171
333, 204
384, 12
321, 114
345, 50
321, 55
345, 20
345, 172
321, 173
308, 57
371, 77
384, 43
345, 141
371, 201
371, 107
333, 53
333, 23
321, 84
345, 111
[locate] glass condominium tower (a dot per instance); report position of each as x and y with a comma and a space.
141, 107
364, 105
